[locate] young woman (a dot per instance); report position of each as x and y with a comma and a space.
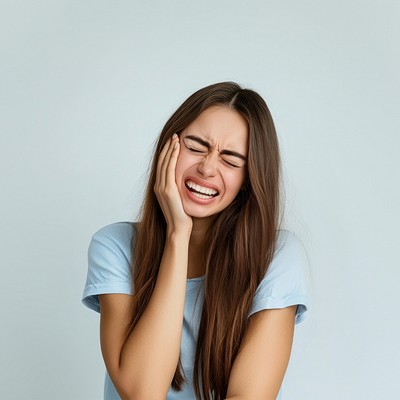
199, 299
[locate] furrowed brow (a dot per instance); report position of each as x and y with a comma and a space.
208, 145
233, 153
199, 140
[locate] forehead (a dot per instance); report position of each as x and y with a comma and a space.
221, 127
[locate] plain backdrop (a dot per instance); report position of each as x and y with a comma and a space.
85, 88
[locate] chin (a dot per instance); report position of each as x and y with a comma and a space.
196, 213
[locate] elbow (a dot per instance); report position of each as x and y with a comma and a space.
139, 395
136, 391
136, 385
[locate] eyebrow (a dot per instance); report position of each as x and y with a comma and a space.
208, 145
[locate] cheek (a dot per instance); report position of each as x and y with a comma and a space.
236, 180
179, 168
182, 163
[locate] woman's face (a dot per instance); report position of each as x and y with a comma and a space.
211, 165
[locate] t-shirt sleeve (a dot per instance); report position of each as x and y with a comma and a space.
286, 282
109, 270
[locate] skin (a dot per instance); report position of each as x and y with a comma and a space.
143, 364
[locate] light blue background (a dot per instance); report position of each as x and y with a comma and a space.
85, 88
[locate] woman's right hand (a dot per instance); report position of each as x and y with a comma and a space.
166, 190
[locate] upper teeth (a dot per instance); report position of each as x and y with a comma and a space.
201, 189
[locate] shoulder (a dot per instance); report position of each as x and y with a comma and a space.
111, 246
286, 281
289, 252
118, 233
109, 262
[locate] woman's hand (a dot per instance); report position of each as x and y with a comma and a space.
167, 191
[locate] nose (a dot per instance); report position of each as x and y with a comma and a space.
209, 164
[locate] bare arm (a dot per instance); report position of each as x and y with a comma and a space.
261, 363
142, 365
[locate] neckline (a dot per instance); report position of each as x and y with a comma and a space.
196, 279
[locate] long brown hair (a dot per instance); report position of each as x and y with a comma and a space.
239, 244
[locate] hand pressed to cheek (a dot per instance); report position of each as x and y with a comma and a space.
166, 188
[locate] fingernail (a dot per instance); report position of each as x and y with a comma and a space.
174, 136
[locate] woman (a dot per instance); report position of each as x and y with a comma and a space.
200, 298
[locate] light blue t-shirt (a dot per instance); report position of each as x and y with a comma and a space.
285, 284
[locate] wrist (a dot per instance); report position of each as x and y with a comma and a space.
179, 235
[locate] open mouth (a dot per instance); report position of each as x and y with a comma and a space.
200, 191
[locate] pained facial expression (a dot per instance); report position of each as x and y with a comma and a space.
211, 165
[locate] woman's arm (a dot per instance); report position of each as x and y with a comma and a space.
263, 357
142, 365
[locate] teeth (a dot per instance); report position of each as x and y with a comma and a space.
201, 196
201, 189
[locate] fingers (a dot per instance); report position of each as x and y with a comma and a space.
168, 152
161, 158
167, 161
166, 188
171, 166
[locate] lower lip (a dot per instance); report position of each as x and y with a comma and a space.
197, 199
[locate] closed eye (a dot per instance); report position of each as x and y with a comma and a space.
232, 165
194, 150
194, 147
231, 160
